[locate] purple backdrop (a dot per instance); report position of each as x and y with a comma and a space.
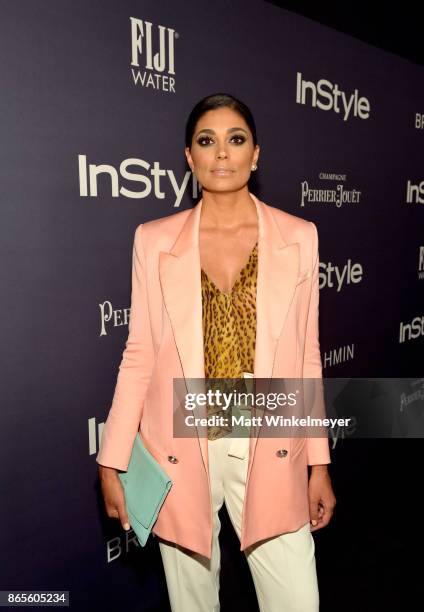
92, 144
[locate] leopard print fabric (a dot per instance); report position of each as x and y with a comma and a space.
229, 334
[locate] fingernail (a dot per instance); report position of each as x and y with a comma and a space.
314, 522
127, 526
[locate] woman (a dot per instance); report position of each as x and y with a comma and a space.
226, 289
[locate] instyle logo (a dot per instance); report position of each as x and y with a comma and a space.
415, 193
334, 276
151, 176
412, 330
157, 69
335, 195
328, 97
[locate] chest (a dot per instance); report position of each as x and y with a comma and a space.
225, 271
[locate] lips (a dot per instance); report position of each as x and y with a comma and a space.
222, 171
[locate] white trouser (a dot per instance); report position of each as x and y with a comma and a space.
283, 568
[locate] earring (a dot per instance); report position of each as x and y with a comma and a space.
254, 167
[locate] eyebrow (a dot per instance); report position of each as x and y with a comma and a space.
233, 129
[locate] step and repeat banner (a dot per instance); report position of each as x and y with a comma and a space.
94, 100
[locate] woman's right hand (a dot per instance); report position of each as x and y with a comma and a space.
113, 495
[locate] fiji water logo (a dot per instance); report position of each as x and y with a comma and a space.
153, 55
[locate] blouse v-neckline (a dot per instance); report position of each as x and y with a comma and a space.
229, 293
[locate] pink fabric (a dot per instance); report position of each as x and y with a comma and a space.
165, 341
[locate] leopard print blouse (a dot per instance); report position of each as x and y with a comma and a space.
229, 334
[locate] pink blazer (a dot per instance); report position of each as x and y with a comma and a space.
165, 341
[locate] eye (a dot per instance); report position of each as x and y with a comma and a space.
240, 138
203, 140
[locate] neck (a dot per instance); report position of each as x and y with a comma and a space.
227, 210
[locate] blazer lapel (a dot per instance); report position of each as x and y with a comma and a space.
180, 277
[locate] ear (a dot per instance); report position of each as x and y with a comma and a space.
256, 154
188, 157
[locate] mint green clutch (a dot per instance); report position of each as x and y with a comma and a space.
146, 486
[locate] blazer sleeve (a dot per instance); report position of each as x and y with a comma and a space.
318, 451
134, 373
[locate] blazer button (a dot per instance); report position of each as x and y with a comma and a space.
172, 459
281, 452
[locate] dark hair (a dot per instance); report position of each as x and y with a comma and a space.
212, 102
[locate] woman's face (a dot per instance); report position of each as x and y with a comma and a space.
222, 151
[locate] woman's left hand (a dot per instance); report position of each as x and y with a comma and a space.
321, 497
